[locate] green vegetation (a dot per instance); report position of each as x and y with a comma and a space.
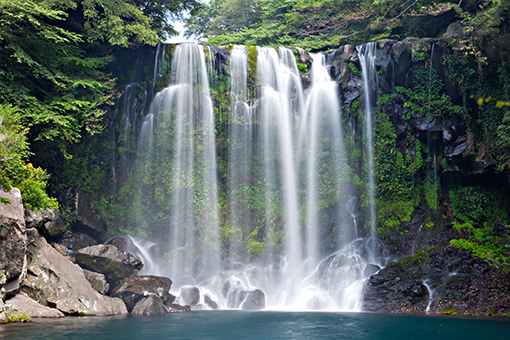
326, 24
15, 316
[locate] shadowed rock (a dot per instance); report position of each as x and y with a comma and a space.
135, 288
151, 305
109, 260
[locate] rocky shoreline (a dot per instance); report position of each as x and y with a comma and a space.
74, 274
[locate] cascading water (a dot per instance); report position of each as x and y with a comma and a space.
287, 186
178, 135
367, 55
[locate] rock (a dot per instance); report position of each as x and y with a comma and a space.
13, 240
37, 218
76, 241
210, 302
86, 221
371, 269
53, 230
255, 299
190, 295
97, 280
151, 305
134, 288
24, 304
63, 251
109, 260
124, 243
55, 281
174, 308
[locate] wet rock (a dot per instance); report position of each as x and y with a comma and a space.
13, 239
55, 281
97, 280
371, 269
124, 243
76, 241
151, 305
109, 260
134, 288
174, 308
210, 302
254, 300
190, 295
24, 304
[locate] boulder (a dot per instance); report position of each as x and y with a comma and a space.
24, 304
37, 218
124, 243
255, 299
190, 295
175, 308
13, 239
97, 280
109, 260
151, 305
134, 288
55, 281
76, 241
210, 302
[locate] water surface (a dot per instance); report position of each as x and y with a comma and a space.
262, 325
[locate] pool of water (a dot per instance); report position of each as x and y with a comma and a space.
228, 324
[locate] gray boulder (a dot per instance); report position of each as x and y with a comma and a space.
97, 280
36, 218
151, 305
76, 241
255, 299
13, 240
135, 288
23, 304
175, 308
109, 260
190, 295
55, 281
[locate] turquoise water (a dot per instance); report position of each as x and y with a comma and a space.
262, 325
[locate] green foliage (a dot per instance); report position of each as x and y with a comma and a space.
355, 70
448, 310
16, 316
478, 205
482, 242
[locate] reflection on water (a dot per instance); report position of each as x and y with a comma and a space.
262, 325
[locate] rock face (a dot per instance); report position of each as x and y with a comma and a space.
55, 281
439, 280
13, 240
109, 260
23, 304
151, 305
97, 280
135, 288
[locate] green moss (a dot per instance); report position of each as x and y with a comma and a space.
448, 310
15, 316
252, 71
355, 70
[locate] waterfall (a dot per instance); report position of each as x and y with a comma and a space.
288, 228
367, 55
